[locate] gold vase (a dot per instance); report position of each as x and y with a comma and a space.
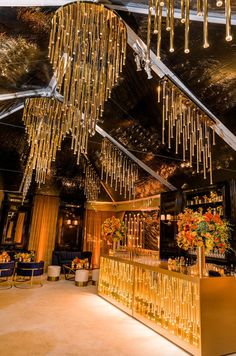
201, 261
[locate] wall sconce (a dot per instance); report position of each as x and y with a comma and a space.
75, 222
167, 219
68, 222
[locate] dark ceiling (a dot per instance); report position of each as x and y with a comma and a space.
132, 116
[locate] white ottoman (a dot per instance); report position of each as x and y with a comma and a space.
95, 276
54, 273
81, 277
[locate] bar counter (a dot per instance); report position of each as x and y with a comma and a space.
197, 314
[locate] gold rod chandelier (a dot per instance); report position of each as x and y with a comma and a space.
118, 170
186, 127
92, 184
87, 49
156, 8
94, 39
46, 125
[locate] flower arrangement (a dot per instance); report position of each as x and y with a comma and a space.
79, 263
196, 229
4, 257
113, 229
25, 256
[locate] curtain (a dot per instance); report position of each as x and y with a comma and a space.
19, 228
43, 227
9, 229
92, 228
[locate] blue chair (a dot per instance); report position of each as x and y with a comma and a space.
6, 274
26, 273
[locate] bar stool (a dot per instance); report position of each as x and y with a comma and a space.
54, 273
95, 276
81, 277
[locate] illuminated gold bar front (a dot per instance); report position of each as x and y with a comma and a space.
197, 314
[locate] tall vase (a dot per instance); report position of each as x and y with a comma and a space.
201, 261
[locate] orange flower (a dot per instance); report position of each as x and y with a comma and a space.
208, 216
198, 229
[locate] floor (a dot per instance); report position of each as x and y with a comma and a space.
61, 319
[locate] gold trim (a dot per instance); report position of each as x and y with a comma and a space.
127, 205
81, 284
162, 268
53, 279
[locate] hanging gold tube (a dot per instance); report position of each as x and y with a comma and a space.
169, 130
204, 162
197, 150
159, 93
163, 116
159, 30
183, 11
206, 154
172, 25
184, 147
213, 136
176, 137
155, 29
168, 15
210, 164
228, 20
190, 151
186, 32
205, 24
149, 23
199, 7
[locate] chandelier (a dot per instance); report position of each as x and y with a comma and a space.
117, 170
156, 8
94, 41
91, 184
187, 127
87, 50
45, 124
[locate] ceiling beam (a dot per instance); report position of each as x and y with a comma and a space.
44, 92
213, 17
159, 67
103, 133
11, 110
19, 3
107, 191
